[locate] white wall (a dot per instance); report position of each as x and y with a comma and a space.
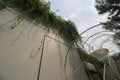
19, 54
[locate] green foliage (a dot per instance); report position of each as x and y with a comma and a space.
38, 11
2, 2
88, 58
117, 38
112, 7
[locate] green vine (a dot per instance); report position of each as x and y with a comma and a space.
41, 13
88, 58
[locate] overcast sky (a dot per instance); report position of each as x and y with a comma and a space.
83, 14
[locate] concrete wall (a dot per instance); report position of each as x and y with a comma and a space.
20, 51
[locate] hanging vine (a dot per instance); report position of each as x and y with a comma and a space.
40, 12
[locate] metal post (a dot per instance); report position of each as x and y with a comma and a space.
39, 70
109, 60
104, 71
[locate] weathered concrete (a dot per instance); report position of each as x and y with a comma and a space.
20, 51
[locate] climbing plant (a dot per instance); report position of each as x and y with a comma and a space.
41, 13
88, 58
